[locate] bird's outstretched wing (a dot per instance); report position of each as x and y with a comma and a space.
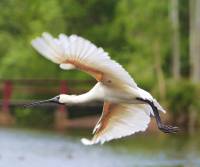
119, 120
76, 52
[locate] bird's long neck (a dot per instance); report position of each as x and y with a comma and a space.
94, 94
83, 98
77, 99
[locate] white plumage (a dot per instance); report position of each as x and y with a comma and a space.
78, 49
122, 120
123, 114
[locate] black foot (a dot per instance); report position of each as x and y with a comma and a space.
168, 129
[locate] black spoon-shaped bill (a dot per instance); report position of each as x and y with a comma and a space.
52, 100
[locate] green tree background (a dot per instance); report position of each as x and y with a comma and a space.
136, 33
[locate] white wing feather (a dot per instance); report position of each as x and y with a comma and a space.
122, 120
78, 49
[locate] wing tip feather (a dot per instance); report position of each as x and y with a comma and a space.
87, 142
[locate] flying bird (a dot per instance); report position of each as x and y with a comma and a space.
127, 108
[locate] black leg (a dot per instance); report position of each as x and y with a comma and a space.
164, 128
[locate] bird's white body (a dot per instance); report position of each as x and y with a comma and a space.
122, 114
101, 92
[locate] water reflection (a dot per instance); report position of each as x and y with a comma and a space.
22, 148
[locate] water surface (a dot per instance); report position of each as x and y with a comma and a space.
39, 148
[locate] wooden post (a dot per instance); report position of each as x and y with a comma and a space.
61, 115
7, 91
5, 116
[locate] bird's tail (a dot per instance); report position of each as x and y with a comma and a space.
147, 96
158, 106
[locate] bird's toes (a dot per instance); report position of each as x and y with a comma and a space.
168, 129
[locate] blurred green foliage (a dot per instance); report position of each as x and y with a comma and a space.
129, 30
39, 118
182, 97
126, 29
182, 93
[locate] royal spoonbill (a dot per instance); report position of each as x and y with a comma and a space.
127, 108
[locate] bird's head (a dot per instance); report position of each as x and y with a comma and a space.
59, 99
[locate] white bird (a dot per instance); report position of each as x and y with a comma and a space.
127, 108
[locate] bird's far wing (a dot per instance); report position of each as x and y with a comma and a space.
119, 120
76, 52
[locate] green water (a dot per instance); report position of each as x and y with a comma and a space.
39, 148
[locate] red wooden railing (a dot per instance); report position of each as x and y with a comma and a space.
64, 90
7, 93
8, 86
